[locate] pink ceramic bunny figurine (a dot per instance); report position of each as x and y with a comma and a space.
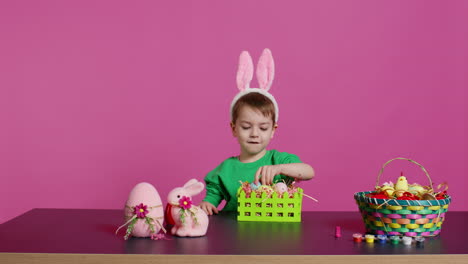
189, 220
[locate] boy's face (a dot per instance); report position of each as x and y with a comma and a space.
253, 130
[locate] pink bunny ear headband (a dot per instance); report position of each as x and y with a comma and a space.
265, 74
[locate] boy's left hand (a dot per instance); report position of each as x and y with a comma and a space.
266, 174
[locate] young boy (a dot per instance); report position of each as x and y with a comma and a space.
254, 116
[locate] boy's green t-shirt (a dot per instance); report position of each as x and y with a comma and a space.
223, 182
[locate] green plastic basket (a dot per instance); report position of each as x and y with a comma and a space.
269, 209
402, 217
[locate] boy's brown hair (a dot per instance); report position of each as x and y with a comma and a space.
257, 101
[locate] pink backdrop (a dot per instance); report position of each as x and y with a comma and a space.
96, 96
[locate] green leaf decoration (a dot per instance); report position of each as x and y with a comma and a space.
194, 217
182, 215
130, 228
149, 222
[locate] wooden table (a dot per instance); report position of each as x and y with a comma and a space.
87, 236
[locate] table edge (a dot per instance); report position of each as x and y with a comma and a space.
227, 259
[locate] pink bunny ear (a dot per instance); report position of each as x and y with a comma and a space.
194, 188
190, 182
245, 71
265, 70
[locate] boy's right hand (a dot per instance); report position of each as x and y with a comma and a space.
208, 208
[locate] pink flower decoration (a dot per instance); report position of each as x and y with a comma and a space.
141, 210
158, 237
185, 202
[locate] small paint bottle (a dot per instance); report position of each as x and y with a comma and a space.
370, 238
357, 237
395, 239
407, 240
419, 241
382, 239
337, 231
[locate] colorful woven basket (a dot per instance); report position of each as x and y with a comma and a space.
402, 217
269, 209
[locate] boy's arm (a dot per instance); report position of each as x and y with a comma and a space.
213, 191
290, 165
299, 171
213, 194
